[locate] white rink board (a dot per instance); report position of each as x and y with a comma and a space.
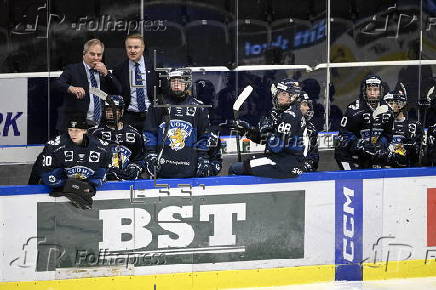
318, 235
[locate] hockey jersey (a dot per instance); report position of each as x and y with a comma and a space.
178, 134
62, 159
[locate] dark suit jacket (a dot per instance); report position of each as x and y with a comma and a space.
121, 72
75, 75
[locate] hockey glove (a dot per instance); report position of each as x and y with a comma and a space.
266, 125
79, 192
151, 164
241, 127
133, 171
204, 167
308, 166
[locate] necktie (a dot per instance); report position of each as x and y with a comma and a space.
140, 96
97, 105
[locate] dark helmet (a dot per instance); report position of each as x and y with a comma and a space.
117, 100
292, 87
113, 102
304, 98
371, 81
77, 121
397, 97
185, 75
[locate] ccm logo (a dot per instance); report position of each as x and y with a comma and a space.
348, 226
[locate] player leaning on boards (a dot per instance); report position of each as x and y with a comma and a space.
137, 78
282, 131
126, 143
74, 164
176, 135
75, 81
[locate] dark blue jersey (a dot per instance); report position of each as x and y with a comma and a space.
127, 145
62, 159
178, 135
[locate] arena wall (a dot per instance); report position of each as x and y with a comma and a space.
223, 232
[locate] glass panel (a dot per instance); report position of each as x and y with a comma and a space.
346, 82
374, 30
23, 36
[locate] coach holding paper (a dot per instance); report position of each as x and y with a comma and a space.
137, 78
75, 81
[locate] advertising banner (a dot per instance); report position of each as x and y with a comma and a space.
174, 230
13, 111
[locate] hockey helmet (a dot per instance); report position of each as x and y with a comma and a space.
113, 102
397, 100
285, 94
371, 89
305, 101
180, 82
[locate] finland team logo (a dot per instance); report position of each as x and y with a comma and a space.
178, 133
79, 172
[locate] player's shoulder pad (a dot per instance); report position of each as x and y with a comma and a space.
290, 111
58, 140
97, 141
356, 104
132, 129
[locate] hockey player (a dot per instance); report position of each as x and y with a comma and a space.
365, 127
311, 146
127, 144
75, 156
176, 133
281, 131
403, 148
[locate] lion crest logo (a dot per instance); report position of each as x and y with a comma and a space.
178, 133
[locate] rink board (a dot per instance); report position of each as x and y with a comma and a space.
225, 232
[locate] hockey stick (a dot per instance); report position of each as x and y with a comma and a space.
238, 103
424, 104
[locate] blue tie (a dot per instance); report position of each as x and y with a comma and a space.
97, 105
140, 97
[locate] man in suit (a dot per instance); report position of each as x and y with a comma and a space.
137, 78
75, 81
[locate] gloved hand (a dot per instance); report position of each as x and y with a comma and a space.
266, 125
133, 171
79, 192
151, 164
397, 155
241, 127
204, 167
362, 145
308, 166
115, 173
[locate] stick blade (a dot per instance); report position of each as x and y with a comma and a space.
99, 93
242, 97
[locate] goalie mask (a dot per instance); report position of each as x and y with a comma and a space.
285, 93
113, 108
306, 106
180, 82
371, 89
397, 100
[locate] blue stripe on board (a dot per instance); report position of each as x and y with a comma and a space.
241, 180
